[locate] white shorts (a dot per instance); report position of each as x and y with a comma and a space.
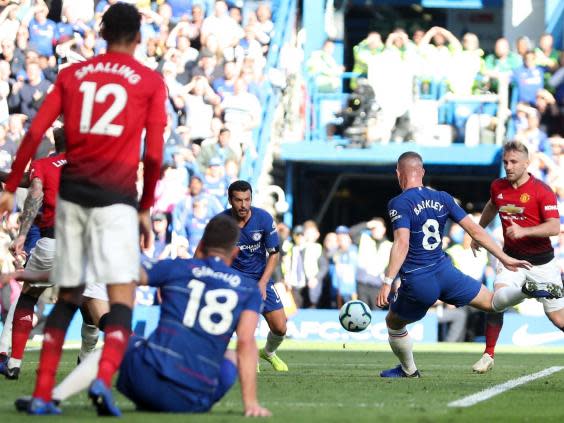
95, 245
549, 272
96, 290
41, 259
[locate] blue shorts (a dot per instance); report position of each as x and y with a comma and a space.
273, 301
418, 292
140, 382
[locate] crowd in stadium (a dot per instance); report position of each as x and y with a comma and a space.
212, 57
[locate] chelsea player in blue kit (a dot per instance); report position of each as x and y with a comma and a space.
257, 260
418, 217
184, 365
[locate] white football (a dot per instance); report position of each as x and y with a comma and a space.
355, 316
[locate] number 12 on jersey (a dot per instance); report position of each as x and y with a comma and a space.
211, 306
93, 94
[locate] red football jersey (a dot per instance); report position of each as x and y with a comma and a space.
529, 205
107, 102
48, 170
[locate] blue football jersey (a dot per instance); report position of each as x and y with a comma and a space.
424, 212
257, 237
202, 301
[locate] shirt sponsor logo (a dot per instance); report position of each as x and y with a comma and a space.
551, 207
524, 197
251, 248
511, 209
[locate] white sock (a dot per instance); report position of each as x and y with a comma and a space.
14, 362
507, 296
80, 378
402, 346
89, 334
6, 337
272, 343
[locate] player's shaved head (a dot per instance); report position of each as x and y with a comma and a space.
410, 170
410, 159
221, 233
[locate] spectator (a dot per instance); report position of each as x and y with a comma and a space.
532, 136
227, 31
194, 26
42, 31
15, 57
326, 266
214, 180
224, 84
220, 149
312, 255
199, 105
325, 70
9, 23
552, 120
373, 256
557, 81
364, 53
264, 21
7, 150
161, 245
346, 264
466, 65
169, 189
194, 227
438, 57
27, 96
242, 113
528, 79
547, 56
523, 45
500, 64
295, 277
4, 91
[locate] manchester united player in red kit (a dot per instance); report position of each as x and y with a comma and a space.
529, 216
106, 102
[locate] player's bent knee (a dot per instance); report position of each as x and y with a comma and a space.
394, 322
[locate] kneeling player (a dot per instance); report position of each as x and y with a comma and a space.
183, 366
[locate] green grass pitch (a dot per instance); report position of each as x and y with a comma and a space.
340, 383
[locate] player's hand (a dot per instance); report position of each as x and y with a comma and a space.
16, 247
514, 264
514, 231
382, 300
475, 246
255, 410
145, 229
6, 202
262, 287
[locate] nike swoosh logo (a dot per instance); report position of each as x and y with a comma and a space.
522, 337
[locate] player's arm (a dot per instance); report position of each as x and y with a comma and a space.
24, 276
481, 236
398, 253
551, 227
488, 214
247, 356
271, 263
49, 111
32, 204
24, 183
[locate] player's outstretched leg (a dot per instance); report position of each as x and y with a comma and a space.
494, 323
277, 323
21, 328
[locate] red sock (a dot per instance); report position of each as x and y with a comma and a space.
494, 323
21, 327
48, 362
115, 344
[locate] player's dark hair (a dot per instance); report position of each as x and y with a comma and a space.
222, 232
410, 155
515, 146
239, 186
60, 139
120, 23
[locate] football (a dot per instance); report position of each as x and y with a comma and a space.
355, 316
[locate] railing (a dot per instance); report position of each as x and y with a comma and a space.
251, 166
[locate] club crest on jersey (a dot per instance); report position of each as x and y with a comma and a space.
524, 197
256, 236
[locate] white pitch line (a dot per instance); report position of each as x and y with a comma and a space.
499, 389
